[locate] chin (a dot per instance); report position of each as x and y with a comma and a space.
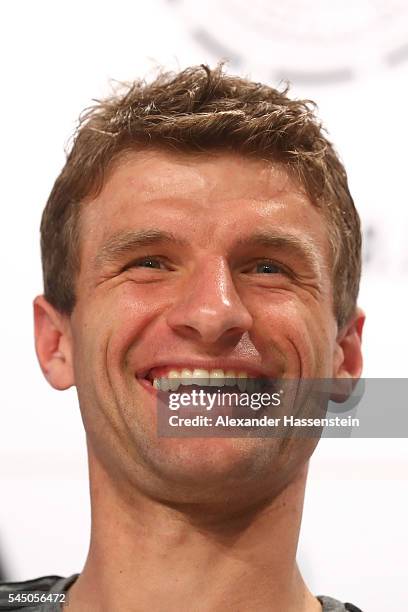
208, 464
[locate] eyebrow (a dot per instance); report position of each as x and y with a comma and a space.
124, 242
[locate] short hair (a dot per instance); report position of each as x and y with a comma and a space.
200, 110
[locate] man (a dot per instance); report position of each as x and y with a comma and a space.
202, 227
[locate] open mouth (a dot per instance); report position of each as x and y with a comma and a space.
185, 380
193, 392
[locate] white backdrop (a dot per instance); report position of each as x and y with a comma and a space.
55, 57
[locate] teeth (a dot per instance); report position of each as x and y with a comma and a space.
229, 378
217, 378
164, 384
242, 381
202, 376
213, 378
173, 377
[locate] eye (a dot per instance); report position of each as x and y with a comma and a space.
150, 262
268, 267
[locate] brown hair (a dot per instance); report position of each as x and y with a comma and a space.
200, 110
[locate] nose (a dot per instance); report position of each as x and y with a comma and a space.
209, 308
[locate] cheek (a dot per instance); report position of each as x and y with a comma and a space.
104, 329
303, 335
126, 316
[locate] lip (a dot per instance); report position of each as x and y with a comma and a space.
162, 367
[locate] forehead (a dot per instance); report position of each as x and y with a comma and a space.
208, 197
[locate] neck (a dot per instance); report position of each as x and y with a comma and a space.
147, 555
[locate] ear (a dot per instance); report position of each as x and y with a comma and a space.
53, 344
348, 359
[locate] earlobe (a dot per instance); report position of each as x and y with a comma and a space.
348, 361
53, 344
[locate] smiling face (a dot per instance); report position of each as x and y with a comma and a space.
210, 263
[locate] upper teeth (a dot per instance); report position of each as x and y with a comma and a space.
199, 376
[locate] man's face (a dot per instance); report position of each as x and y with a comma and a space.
196, 262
